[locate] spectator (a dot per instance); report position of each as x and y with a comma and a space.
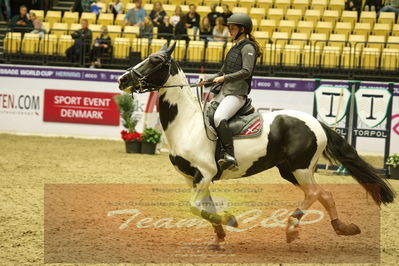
226, 13
220, 31
102, 47
116, 7
146, 29
7, 5
96, 9
135, 16
82, 43
176, 17
165, 30
37, 25
390, 6
21, 22
180, 31
205, 29
157, 14
372, 5
193, 19
353, 5
213, 15
82, 5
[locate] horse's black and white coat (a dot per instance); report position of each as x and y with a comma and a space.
291, 140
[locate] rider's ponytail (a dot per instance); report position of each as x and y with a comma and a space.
259, 49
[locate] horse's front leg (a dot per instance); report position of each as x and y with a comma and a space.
201, 204
208, 209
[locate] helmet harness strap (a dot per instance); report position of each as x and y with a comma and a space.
240, 32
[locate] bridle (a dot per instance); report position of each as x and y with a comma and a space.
145, 86
142, 82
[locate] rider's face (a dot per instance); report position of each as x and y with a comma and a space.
233, 29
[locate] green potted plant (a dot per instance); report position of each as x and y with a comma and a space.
127, 106
150, 138
393, 166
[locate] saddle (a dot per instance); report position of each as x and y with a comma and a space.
246, 123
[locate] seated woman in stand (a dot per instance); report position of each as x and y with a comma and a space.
176, 17
220, 31
205, 29
146, 29
102, 48
157, 14
180, 30
165, 29
38, 27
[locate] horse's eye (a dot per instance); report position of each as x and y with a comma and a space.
123, 79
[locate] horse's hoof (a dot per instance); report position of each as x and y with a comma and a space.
215, 246
292, 232
343, 229
220, 233
354, 229
230, 220
292, 235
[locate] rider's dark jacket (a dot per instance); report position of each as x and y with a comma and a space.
238, 69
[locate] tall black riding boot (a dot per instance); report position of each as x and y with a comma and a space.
226, 137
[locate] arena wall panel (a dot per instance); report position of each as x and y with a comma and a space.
23, 90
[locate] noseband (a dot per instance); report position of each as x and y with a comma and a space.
143, 85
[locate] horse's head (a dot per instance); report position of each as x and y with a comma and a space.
150, 74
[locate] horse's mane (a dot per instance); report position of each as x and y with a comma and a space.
175, 69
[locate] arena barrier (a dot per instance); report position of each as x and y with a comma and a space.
24, 108
356, 110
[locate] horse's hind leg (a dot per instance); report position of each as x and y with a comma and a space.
313, 192
326, 199
305, 180
293, 221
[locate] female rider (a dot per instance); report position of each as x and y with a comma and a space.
235, 76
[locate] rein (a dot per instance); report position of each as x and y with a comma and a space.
202, 107
144, 86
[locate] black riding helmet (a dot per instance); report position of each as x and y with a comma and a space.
241, 19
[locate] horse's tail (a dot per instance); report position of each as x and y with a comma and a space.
338, 149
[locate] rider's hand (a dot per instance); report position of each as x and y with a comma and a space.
219, 79
203, 82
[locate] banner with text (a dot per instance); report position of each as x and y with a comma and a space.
22, 103
80, 107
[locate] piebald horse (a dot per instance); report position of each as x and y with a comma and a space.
292, 141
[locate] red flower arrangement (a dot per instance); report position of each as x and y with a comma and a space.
135, 136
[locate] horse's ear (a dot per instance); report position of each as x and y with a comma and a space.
170, 50
164, 48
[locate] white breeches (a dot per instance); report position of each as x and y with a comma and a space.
228, 107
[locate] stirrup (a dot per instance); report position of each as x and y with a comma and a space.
228, 163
